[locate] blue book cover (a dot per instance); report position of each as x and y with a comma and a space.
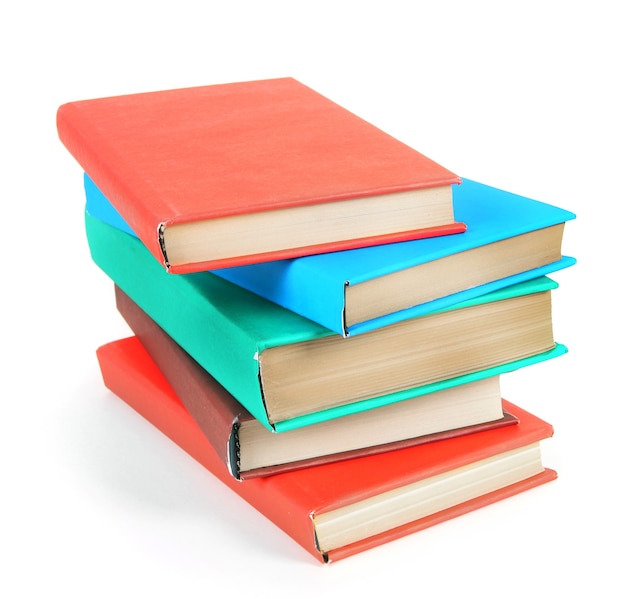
320, 287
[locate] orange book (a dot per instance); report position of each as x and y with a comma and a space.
338, 509
233, 174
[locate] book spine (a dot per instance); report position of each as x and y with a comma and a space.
212, 407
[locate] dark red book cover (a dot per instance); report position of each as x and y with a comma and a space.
293, 499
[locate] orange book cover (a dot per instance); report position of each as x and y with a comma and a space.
293, 500
214, 152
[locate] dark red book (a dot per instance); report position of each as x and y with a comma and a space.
232, 174
248, 449
338, 509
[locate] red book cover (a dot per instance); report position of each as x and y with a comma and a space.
210, 153
221, 417
294, 500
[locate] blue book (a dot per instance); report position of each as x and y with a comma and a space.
509, 239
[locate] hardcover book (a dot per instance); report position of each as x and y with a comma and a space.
245, 172
289, 371
338, 509
248, 449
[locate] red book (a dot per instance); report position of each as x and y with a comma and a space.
338, 509
248, 449
237, 173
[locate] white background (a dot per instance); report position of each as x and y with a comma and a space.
527, 96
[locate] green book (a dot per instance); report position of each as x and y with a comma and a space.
290, 372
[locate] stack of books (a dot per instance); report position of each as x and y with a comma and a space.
321, 314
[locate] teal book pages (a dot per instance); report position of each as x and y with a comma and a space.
356, 291
273, 360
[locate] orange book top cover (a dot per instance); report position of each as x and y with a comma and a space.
292, 498
198, 153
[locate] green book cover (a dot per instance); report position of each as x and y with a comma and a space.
227, 329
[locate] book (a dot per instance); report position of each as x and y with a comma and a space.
251, 171
248, 449
290, 372
510, 239
338, 509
